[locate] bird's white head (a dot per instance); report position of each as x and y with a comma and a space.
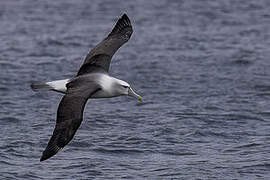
123, 88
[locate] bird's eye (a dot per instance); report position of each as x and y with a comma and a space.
125, 86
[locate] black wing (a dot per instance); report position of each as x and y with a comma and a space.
69, 118
101, 55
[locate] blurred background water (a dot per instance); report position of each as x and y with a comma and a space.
202, 67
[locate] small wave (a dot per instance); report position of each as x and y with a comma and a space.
8, 162
4, 89
118, 151
242, 62
248, 145
176, 152
262, 87
7, 120
241, 147
42, 54
264, 165
177, 174
9, 65
80, 144
55, 42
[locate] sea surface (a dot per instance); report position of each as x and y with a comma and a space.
202, 67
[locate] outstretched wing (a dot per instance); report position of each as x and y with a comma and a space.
69, 118
101, 55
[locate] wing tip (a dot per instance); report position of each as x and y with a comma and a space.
125, 16
43, 158
49, 152
46, 155
122, 23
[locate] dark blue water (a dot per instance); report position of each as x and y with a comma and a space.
203, 68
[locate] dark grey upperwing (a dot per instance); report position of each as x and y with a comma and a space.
101, 55
69, 117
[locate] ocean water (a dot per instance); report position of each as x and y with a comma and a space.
202, 67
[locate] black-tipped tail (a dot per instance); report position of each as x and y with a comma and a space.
121, 24
37, 86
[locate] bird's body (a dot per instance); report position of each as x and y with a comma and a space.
105, 81
91, 81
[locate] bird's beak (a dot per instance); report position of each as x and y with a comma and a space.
133, 94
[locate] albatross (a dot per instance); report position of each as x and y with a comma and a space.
91, 81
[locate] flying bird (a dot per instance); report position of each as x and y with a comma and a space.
91, 81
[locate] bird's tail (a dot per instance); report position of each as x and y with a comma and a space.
59, 86
41, 86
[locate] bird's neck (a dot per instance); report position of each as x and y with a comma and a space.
108, 88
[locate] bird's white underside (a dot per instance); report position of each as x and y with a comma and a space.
105, 81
